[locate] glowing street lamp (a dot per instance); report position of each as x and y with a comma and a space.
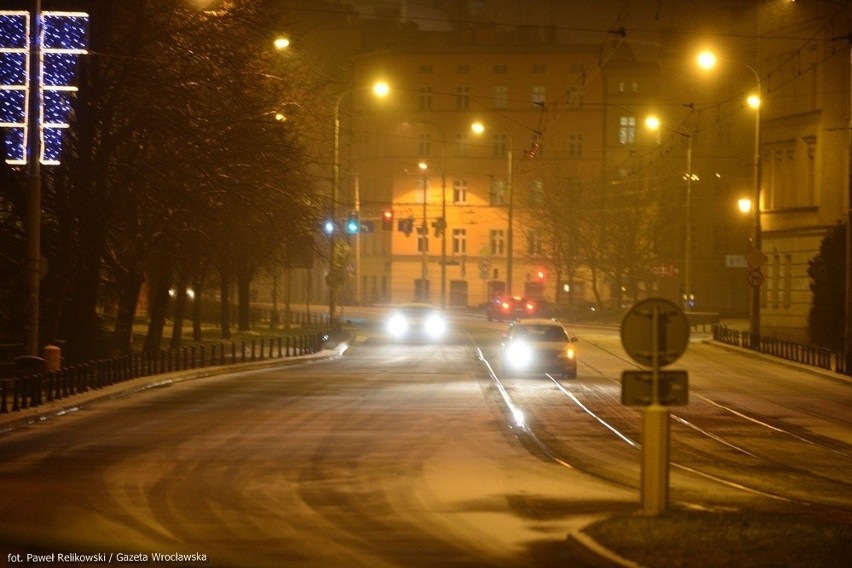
478, 128
380, 89
707, 60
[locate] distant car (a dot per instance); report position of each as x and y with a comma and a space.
416, 321
508, 308
539, 346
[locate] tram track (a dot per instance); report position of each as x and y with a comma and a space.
715, 442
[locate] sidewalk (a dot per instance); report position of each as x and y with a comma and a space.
334, 347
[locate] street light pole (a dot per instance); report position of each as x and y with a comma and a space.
510, 234
334, 276
707, 60
424, 240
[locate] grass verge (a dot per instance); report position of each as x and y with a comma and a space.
744, 539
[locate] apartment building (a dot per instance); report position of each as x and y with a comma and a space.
468, 152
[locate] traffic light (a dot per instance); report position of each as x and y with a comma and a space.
439, 225
328, 226
352, 223
387, 220
540, 274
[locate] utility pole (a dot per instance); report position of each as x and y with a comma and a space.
32, 224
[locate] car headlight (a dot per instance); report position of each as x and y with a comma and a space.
397, 325
519, 354
569, 352
435, 326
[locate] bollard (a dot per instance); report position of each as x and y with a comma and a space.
53, 357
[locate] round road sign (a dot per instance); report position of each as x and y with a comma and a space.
672, 332
755, 278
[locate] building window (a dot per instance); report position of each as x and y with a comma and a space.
539, 68
788, 281
575, 145
501, 69
574, 97
463, 68
497, 238
533, 243
425, 98
425, 69
498, 192
462, 98
627, 130
424, 144
459, 241
501, 97
462, 145
536, 188
538, 96
501, 147
460, 191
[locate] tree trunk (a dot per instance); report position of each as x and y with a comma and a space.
180, 310
225, 305
128, 299
159, 302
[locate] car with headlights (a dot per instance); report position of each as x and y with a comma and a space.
508, 308
539, 345
416, 321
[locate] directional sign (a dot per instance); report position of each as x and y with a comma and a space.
637, 388
637, 332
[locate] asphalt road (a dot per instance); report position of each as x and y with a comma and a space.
406, 455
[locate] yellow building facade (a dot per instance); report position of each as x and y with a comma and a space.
453, 190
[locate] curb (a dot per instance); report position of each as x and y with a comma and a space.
22, 419
600, 552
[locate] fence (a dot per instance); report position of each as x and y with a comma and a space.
815, 356
35, 389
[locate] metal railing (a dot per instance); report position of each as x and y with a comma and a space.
812, 355
32, 390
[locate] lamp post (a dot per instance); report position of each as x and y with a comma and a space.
688, 299
443, 226
478, 128
707, 60
424, 238
380, 89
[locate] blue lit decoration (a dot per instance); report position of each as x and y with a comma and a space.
62, 39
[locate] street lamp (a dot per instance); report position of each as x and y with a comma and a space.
707, 60
479, 128
443, 221
424, 238
380, 89
653, 123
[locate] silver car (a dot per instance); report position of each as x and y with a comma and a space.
539, 346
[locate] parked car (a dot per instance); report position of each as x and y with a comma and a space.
539, 345
416, 321
507, 308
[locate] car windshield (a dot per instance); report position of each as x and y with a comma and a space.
417, 311
541, 333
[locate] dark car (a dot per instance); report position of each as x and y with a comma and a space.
508, 308
416, 321
539, 346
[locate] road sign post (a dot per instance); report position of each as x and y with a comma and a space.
655, 333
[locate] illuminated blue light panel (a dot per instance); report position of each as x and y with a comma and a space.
62, 40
